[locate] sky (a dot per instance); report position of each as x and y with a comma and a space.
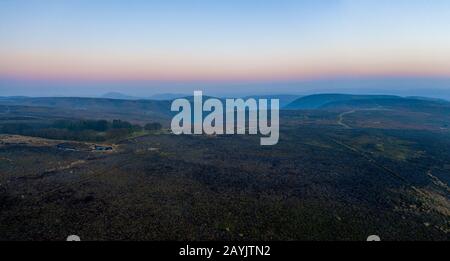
142, 47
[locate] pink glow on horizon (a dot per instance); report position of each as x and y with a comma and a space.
78, 66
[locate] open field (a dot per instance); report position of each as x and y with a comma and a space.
333, 176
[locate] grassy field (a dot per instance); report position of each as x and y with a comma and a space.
322, 181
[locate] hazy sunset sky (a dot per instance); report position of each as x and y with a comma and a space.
97, 45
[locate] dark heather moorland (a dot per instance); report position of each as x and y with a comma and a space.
346, 167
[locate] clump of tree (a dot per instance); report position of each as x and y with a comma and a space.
80, 130
96, 125
153, 126
107, 130
15, 128
79, 125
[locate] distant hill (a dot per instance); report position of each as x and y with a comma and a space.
317, 101
83, 103
118, 96
403, 104
158, 97
427, 99
322, 101
285, 99
134, 110
168, 96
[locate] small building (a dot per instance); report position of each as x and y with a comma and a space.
102, 148
66, 147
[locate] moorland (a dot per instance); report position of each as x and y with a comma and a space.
345, 167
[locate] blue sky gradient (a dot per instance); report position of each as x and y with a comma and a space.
143, 47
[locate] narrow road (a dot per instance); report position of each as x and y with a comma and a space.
341, 119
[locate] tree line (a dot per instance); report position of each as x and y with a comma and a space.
81, 130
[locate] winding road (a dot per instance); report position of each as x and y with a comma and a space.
341, 119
